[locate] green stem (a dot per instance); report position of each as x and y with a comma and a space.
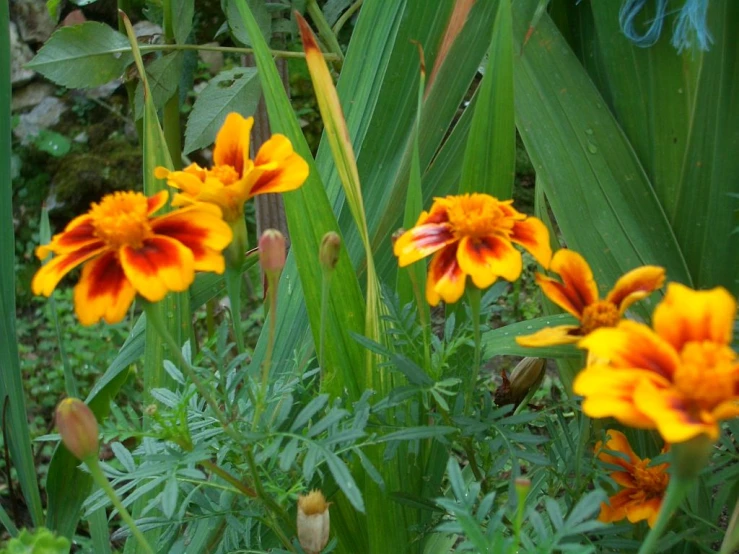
234, 280
153, 316
676, 491
99, 477
225, 49
325, 291
345, 16
474, 298
324, 29
70, 383
230, 479
273, 280
731, 539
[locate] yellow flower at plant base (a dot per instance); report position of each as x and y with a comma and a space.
643, 485
234, 177
681, 377
578, 295
126, 250
471, 234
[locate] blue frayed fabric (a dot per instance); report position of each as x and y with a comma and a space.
689, 30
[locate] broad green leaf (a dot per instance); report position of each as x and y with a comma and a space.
309, 217
236, 24
232, 90
14, 417
163, 75
490, 155
602, 199
332, 9
707, 203
83, 56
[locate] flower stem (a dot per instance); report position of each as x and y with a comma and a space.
153, 317
676, 491
102, 481
474, 295
233, 288
272, 284
325, 291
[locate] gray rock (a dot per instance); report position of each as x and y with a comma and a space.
20, 54
31, 95
43, 116
148, 32
214, 60
33, 19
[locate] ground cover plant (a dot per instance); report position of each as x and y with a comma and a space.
375, 410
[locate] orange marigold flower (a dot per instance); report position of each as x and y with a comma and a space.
471, 234
643, 485
578, 295
127, 251
234, 177
681, 377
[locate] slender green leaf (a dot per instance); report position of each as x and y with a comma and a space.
99, 531
502, 341
83, 56
13, 415
490, 155
309, 217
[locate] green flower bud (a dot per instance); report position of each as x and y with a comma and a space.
78, 428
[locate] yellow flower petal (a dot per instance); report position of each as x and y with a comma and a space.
103, 291
422, 241
686, 315
445, 279
486, 258
232, 142
161, 265
635, 285
533, 235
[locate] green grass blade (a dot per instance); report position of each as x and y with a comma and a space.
12, 397
7, 523
99, 532
490, 156
602, 199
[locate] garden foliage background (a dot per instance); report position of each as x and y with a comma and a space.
632, 149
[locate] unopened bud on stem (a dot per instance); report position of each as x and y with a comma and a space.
329, 252
78, 428
272, 251
313, 522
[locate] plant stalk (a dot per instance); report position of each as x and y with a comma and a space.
99, 477
676, 491
474, 295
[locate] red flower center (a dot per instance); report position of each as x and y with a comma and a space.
651, 480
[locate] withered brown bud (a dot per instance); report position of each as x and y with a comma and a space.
313, 522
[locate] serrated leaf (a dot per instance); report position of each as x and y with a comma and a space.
163, 75
83, 56
182, 14
308, 412
231, 90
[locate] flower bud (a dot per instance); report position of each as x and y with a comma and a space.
78, 428
525, 377
328, 255
313, 522
272, 251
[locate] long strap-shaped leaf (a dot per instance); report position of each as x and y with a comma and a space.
600, 195
12, 399
309, 217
